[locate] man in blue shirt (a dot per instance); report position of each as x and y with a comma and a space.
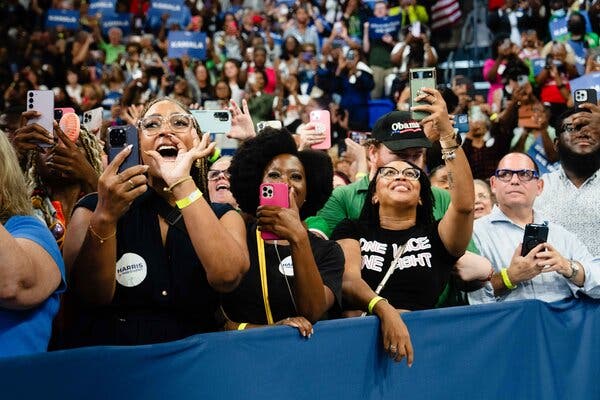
551, 271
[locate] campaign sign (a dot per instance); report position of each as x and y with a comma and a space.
538, 65
588, 81
558, 28
114, 20
171, 7
191, 43
69, 19
103, 7
378, 27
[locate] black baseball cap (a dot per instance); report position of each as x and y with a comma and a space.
397, 130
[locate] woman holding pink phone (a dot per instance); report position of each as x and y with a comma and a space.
294, 276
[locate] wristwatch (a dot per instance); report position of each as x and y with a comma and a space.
574, 269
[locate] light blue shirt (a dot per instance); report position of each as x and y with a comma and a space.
497, 237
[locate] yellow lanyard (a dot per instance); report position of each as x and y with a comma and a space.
262, 264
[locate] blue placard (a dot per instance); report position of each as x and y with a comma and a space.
588, 81
69, 19
178, 13
191, 43
381, 26
538, 65
118, 20
558, 28
103, 7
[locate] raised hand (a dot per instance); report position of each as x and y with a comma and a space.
171, 170
69, 161
242, 127
116, 191
30, 137
283, 222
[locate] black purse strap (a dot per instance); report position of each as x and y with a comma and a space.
170, 214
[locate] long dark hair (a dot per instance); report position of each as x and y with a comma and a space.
370, 212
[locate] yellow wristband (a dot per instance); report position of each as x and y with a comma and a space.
215, 155
186, 201
506, 279
359, 175
242, 326
373, 303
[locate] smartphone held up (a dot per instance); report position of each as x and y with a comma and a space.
273, 194
419, 79
120, 137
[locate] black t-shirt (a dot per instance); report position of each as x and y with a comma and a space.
245, 303
421, 273
162, 292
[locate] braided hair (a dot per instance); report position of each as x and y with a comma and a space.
40, 198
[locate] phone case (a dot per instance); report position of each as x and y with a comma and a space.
322, 121
59, 112
261, 125
120, 137
213, 121
42, 101
582, 96
534, 235
273, 194
420, 78
461, 123
92, 119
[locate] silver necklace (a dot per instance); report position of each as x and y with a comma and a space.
286, 279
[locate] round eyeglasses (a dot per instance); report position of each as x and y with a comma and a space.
412, 174
214, 174
525, 175
152, 125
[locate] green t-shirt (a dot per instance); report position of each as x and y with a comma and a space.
112, 51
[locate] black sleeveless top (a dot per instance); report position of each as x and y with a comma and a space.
162, 292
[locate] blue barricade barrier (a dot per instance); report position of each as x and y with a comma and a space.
515, 350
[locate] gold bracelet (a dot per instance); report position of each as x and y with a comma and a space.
102, 239
179, 182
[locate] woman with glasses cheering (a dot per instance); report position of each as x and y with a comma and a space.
397, 256
219, 182
148, 254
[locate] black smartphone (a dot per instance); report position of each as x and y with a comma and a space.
585, 96
534, 235
120, 137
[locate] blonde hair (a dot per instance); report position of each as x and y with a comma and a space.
200, 168
14, 196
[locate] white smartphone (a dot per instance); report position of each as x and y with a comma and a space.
92, 119
261, 125
213, 121
42, 101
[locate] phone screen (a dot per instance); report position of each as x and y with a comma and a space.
534, 235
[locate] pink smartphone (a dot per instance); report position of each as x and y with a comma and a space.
273, 194
59, 112
322, 121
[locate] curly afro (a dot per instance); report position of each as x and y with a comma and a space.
249, 163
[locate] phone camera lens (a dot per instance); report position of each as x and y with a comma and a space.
30, 94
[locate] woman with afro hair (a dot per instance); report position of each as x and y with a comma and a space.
301, 273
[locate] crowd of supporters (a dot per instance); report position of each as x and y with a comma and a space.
326, 197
